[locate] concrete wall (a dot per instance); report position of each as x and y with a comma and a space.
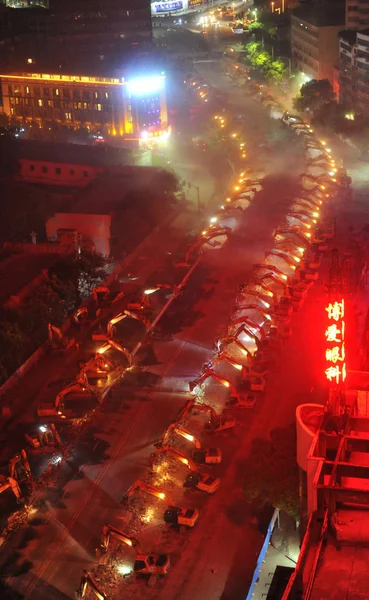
94, 228
308, 418
53, 173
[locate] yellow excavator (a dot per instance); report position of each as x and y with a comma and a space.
209, 456
43, 438
59, 409
195, 479
174, 515
238, 399
87, 582
151, 564
57, 340
216, 422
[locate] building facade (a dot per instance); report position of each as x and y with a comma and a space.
314, 41
354, 69
357, 14
134, 108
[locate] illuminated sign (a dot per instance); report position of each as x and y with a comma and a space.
194, 3
168, 6
335, 353
143, 86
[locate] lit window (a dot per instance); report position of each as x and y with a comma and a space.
97, 95
40, 102
50, 103
99, 106
106, 95
68, 116
27, 90
57, 92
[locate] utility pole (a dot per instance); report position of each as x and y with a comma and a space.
196, 187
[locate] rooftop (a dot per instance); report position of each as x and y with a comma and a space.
348, 35
322, 14
81, 154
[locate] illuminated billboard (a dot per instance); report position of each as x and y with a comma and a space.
335, 354
168, 7
145, 86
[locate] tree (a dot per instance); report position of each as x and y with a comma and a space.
276, 70
271, 472
12, 348
252, 27
313, 95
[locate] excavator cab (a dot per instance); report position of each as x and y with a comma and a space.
174, 515
152, 564
202, 481
207, 456
43, 438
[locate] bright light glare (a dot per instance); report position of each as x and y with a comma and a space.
213, 220
144, 86
150, 291
124, 569
42, 428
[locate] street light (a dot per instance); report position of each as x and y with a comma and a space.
196, 187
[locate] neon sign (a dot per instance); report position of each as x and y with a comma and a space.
335, 353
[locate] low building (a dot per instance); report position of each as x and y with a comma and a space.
354, 69
314, 39
132, 108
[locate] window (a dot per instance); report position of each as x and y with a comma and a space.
86, 95
50, 103
68, 116
56, 92
65, 104
85, 106
27, 90
44, 169
37, 91
17, 100
85, 174
40, 102
65, 93
10, 90
32, 167
75, 95
106, 95
98, 106
57, 171
17, 89
71, 172
46, 92
129, 119
129, 107
57, 103
26, 101
97, 96
79, 105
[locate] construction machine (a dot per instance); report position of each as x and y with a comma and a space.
81, 315
57, 340
195, 480
207, 237
9, 483
100, 294
216, 422
151, 564
209, 456
19, 468
238, 398
43, 438
184, 516
87, 582
59, 407
127, 314
102, 364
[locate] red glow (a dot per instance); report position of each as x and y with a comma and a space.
335, 337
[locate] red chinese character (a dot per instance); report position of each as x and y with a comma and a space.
333, 373
335, 354
332, 333
336, 311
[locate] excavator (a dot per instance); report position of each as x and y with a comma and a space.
216, 422
100, 294
43, 438
233, 339
209, 456
207, 238
174, 515
195, 480
237, 399
102, 364
9, 483
152, 564
87, 582
57, 340
59, 409
127, 314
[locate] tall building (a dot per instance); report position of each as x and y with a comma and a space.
314, 38
354, 69
133, 107
357, 14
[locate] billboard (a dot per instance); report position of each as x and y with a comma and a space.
194, 3
168, 7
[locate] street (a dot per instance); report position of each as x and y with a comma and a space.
217, 558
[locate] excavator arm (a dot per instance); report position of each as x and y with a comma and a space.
211, 373
178, 456
87, 582
149, 489
108, 531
